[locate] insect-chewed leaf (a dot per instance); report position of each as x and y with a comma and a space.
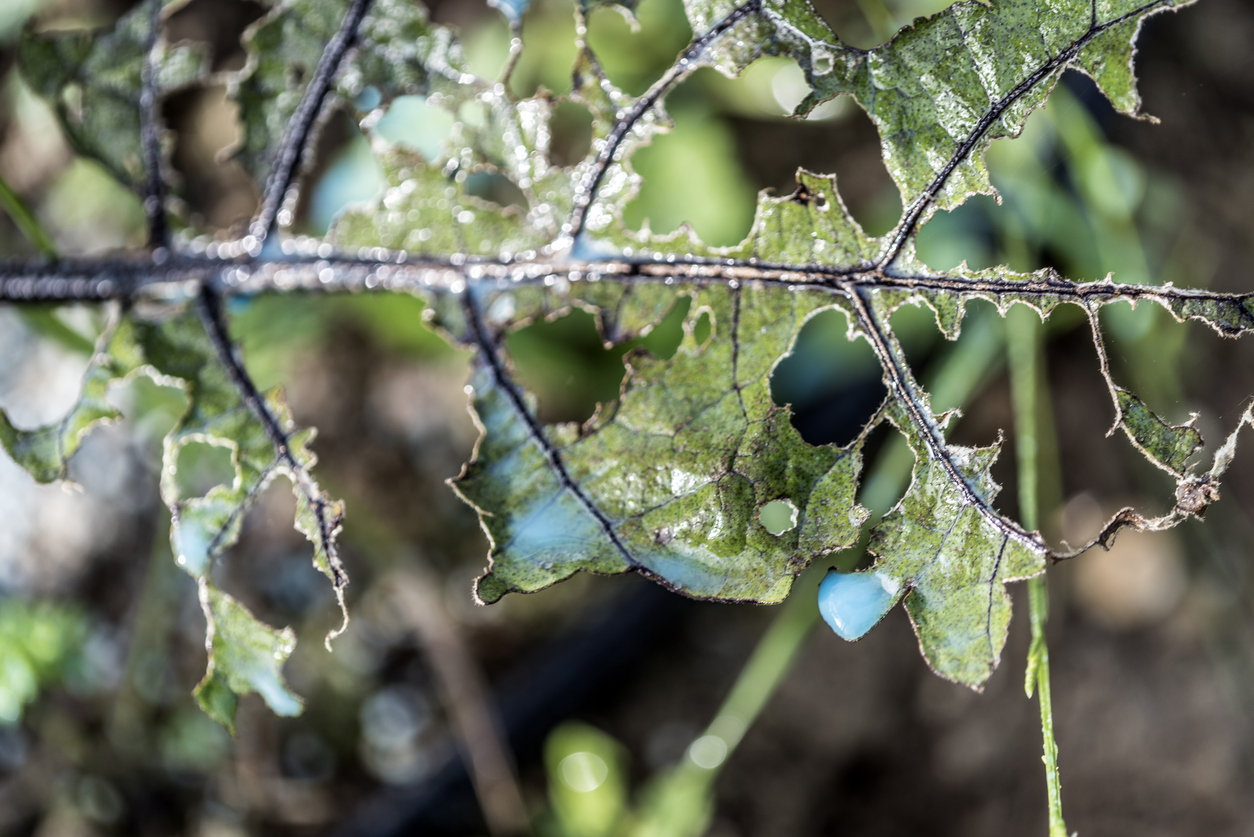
94, 83
944, 550
671, 478
943, 89
205, 526
1167, 445
245, 655
424, 211
756, 28
396, 51
45, 451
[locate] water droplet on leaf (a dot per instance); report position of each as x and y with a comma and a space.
852, 603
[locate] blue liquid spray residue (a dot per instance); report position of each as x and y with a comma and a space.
852, 603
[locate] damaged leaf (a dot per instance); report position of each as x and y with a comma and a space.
672, 477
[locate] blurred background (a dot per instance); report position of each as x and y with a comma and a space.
625, 709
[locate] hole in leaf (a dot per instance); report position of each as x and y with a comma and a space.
571, 130
663, 339
206, 123
218, 23
411, 122
778, 516
965, 233
702, 329
867, 25
691, 175
838, 138
345, 172
497, 188
916, 330
833, 384
633, 60
201, 467
566, 365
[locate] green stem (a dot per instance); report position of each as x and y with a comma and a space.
26, 221
42, 320
1024, 351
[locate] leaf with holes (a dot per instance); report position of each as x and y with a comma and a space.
672, 477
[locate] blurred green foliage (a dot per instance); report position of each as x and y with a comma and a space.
40, 644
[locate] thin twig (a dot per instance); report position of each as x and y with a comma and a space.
586, 192
467, 700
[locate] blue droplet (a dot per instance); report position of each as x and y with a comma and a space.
853, 602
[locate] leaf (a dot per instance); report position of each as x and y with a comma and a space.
942, 550
1167, 445
396, 52
94, 83
203, 527
752, 29
45, 452
943, 89
670, 480
244, 656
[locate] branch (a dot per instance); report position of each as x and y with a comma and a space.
489, 356
902, 387
301, 133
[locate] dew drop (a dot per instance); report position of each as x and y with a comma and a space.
852, 603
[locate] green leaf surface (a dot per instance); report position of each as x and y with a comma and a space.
1168, 445
671, 478
245, 655
946, 87
44, 452
205, 526
94, 81
397, 52
950, 558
